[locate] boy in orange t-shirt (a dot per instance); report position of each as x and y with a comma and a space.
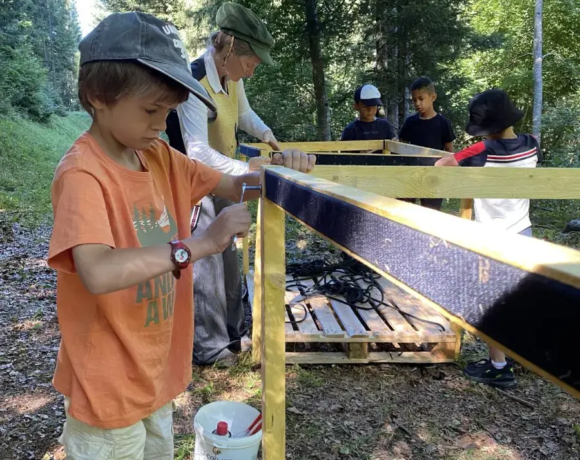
120, 195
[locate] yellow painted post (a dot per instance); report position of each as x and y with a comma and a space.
465, 212
245, 255
257, 300
273, 286
466, 208
385, 149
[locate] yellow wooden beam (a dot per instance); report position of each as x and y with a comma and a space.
532, 255
273, 265
329, 146
257, 300
466, 208
402, 148
433, 182
245, 256
385, 146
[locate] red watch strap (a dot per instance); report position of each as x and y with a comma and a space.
179, 265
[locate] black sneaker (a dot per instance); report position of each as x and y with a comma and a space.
484, 372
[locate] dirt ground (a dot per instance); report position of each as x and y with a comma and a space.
380, 412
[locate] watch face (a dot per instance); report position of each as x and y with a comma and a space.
181, 256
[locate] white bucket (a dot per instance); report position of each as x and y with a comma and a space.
239, 417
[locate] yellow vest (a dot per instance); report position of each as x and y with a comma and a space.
222, 131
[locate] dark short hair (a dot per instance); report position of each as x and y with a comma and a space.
109, 81
423, 83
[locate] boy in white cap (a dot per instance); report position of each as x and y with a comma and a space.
367, 100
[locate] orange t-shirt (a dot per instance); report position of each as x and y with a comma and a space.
125, 354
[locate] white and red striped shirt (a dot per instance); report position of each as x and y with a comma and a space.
521, 152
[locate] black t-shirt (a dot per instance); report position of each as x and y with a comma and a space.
368, 131
433, 133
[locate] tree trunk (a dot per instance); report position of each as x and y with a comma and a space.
406, 90
537, 111
318, 78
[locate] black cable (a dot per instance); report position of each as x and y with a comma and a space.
341, 279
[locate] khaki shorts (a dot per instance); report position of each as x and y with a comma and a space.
148, 439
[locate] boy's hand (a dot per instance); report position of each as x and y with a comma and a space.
447, 161
233, 220
257, 162
294, 159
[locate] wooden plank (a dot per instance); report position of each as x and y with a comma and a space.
273, 267
433, 182
327, 146
377, 325
466, 208
395, 147
458, 336
250, 283
257, 297
349, 320
357, 350
321, 308
307, 328
416, 357
380, 330
325, 317
396, 322
413, 306
245, 255
409, 149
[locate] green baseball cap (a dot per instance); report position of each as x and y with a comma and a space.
240, 22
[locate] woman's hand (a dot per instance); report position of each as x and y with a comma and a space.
294, 159
256, 163
270, 139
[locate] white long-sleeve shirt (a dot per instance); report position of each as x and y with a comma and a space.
193, 120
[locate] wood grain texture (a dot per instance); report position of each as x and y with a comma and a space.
256, 299
466, 208
331, 146
273, 267
402, 148
417, 357
245, 255
433, 182
386, 146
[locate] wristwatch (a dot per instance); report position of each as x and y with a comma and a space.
180, 256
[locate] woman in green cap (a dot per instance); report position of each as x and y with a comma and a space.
234, 52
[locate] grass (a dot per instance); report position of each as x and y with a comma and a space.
29, 154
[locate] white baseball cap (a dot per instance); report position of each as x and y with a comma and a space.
369, 95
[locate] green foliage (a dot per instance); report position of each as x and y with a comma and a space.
38, 63
29, 154
23, 83
508, 64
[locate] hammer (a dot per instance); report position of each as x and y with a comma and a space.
244, 188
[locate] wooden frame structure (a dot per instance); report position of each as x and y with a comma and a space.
520, 294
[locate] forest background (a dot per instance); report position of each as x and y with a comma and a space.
324, 50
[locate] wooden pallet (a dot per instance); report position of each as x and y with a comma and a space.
381, 334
